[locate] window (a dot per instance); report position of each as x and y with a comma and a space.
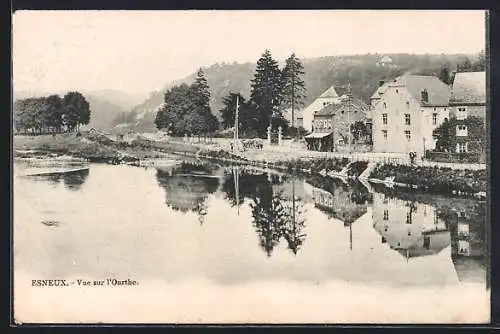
461, 130
384, 133
407, 119
408, 135
408, 104
384, 105
461, 113
461, 148
384, 119
397, 91
386, 215
434, 118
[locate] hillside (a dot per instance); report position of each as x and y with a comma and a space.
361, 71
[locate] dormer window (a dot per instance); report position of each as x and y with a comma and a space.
461, 113
424, 96
461, 130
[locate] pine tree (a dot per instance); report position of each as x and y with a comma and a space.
228, 111
266, 90
294, 89
203, 121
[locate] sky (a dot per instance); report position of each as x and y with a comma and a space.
141, 51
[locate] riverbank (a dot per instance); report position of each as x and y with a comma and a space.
434, 180
99, 148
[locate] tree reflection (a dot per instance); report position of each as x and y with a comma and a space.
72, 180
294, 225
276, 215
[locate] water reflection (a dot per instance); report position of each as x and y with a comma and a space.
72, 180
339, 200
277, 211
413, 229
187, 186
417, 225
305, 226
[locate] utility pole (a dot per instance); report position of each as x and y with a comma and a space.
236, 121
349, 115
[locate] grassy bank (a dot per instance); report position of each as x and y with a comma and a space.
98, 148
433, 179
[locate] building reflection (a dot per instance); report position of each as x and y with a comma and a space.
187, 186
414, 229
340, 201
411, 228
468, 242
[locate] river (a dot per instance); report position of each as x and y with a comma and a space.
210, 243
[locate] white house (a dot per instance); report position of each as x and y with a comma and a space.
406, 112
328, 97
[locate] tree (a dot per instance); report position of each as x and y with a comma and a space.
266, 90
173, 112
445, 134
359, 131
54, 112
444, 74
76, 110
203, 121
228, 111
294, 89
480, 64
442, 136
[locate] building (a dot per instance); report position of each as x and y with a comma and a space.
297, 114
406, 110
413, 229
468, 98
384, 61
332, 123
329, 96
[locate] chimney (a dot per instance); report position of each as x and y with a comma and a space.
381, 82
424, 96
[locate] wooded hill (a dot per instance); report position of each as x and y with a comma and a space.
362, 71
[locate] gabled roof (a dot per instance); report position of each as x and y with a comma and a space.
438, 91
329, 93
386, 59
380, 90
469, 87
354, 103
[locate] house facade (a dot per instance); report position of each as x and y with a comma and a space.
405, 112
306, 116
331, 124
467, 99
